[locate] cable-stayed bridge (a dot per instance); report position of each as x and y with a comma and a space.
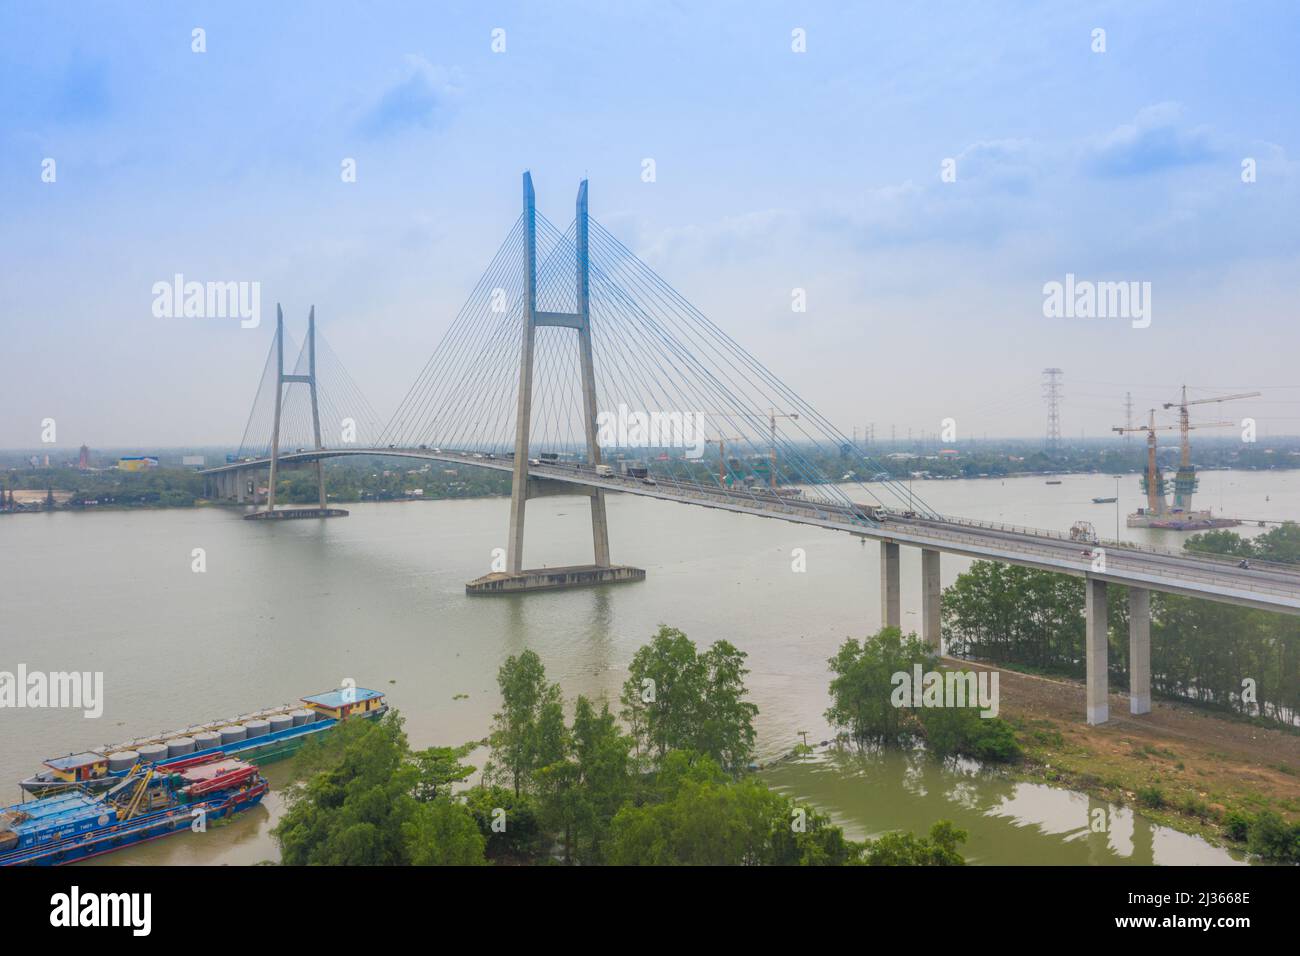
577, 369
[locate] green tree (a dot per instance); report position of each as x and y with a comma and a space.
528, 731
1220, 541
508, 823
1272, 838
361, 809
939, 848
439, 768
602, 758
1280, 544
697, 814
678, 699
442, 832
965, 731
863, 686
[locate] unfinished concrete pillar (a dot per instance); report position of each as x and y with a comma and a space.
1139, 650
891, 614
1095, 650
930, 594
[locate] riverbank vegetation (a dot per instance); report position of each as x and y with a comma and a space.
1239, 662
663, 782
869, 703
1229, 658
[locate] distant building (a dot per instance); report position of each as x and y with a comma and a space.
137, 463
83, 460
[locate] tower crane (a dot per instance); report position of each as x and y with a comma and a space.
721, 442
1185, 481
1155, 482
772, 416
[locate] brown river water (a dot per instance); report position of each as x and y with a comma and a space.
289, 609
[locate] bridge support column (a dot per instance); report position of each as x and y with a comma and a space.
931, 589
522, 487
891, 613
1139, 650
241, 486
315, 405
281, 380
1095, 650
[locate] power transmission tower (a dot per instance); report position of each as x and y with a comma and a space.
1128, 416
1052, 392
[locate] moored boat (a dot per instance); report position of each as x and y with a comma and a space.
150, 803
262, 736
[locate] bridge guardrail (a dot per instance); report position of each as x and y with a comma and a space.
1257, 587
1115, 545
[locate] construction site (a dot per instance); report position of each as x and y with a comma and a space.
1178, 515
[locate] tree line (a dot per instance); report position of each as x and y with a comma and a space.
1232, 658
664, 781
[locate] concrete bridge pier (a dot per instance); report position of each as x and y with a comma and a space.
1095, 650
1139, 651
931, 589
891, 613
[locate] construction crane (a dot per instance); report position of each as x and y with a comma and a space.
1185, 481
1155, 482
772, 416
721, 442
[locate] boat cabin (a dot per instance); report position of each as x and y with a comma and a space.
345, 702
78, 768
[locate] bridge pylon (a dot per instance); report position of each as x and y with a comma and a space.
522, 487
281, 380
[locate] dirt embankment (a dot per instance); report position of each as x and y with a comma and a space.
1202, 764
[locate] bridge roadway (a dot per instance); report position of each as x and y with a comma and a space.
1266, 586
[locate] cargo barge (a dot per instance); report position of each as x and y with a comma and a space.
149, 804
262, 736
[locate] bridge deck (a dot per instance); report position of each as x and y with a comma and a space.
1270, 587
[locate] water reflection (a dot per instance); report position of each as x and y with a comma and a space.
1008, 822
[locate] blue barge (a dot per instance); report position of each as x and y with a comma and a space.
263, 736
152, 803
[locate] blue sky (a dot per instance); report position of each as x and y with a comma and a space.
775, 170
